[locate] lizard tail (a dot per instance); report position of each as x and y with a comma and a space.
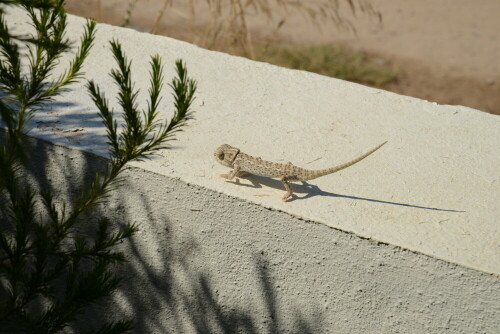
322, 172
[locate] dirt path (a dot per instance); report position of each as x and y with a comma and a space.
449, 50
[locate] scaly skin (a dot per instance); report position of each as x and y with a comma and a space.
242, 163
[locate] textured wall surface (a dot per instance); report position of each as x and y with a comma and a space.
207, 262
406, 241
433, 188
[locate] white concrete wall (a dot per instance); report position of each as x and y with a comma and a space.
405, 241
206, 262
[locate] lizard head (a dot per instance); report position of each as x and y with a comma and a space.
225, 155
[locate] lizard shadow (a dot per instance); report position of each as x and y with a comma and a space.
310, 190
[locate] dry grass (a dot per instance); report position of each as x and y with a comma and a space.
130, 9
333, 61
227, 27
227, 30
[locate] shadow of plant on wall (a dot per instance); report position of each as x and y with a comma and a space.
168, 286
171, 286
199, 304
56, 254
174, 283
58, 245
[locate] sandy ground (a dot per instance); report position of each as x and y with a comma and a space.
448, 50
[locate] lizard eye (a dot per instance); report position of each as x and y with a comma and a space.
221, 156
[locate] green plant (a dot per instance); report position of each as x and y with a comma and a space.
50, 272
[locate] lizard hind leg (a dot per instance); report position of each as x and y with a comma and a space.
289, 192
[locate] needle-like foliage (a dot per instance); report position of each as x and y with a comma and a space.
49, 271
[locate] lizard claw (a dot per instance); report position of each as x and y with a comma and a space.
285, 198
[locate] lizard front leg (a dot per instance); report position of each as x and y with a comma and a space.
234, 172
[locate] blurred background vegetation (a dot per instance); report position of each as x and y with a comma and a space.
223, 25
406, 48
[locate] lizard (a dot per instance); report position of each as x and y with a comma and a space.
242, 164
